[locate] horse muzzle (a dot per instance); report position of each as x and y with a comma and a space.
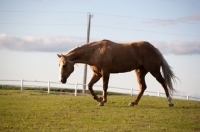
63, 80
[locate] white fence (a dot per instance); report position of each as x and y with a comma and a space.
77, 86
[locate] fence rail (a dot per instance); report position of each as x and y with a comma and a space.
56, 85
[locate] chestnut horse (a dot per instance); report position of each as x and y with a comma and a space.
106, 57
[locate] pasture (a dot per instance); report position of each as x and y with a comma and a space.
33, 111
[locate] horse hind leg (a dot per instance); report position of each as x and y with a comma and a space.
161, 80
140, 72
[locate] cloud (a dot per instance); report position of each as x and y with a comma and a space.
189, 18
167, 22
178, 47
36, 0
162, 46
43, 44
61, 44
160, 22
183, 47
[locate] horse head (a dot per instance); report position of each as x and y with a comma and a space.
66, 68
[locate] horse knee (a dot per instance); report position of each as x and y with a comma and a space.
161, 80
143, 87
90, 87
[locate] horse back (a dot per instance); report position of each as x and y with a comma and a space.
124, 57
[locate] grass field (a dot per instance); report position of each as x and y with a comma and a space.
31, 111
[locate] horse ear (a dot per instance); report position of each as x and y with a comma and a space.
59, 55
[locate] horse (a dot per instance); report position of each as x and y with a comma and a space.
105, 57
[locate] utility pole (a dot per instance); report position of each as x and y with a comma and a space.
85, 67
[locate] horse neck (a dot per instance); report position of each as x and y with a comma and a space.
80, 55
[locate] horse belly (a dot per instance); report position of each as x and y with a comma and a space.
127, 67
125, 62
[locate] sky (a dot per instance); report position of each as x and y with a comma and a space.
32, 32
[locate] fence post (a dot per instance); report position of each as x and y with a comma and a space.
158, 94
48, 87
187, 97
21, 84
75, 90
131, 91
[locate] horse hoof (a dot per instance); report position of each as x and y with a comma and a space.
131, 104
100, 99
171, 105
100, 104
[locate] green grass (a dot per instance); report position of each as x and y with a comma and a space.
31, 111
44, 89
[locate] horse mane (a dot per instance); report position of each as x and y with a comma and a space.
80, 46
75, 48
72, 49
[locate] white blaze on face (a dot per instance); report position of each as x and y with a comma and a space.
60, 73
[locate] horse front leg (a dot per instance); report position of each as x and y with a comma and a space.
93, 80
105, 87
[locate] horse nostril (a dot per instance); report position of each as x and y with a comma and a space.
63, 80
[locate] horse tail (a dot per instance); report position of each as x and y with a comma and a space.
169, 75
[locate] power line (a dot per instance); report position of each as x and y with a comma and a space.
152, 19
7, 23
117, 28
109, 27
103, 14
145, 31
13, 11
